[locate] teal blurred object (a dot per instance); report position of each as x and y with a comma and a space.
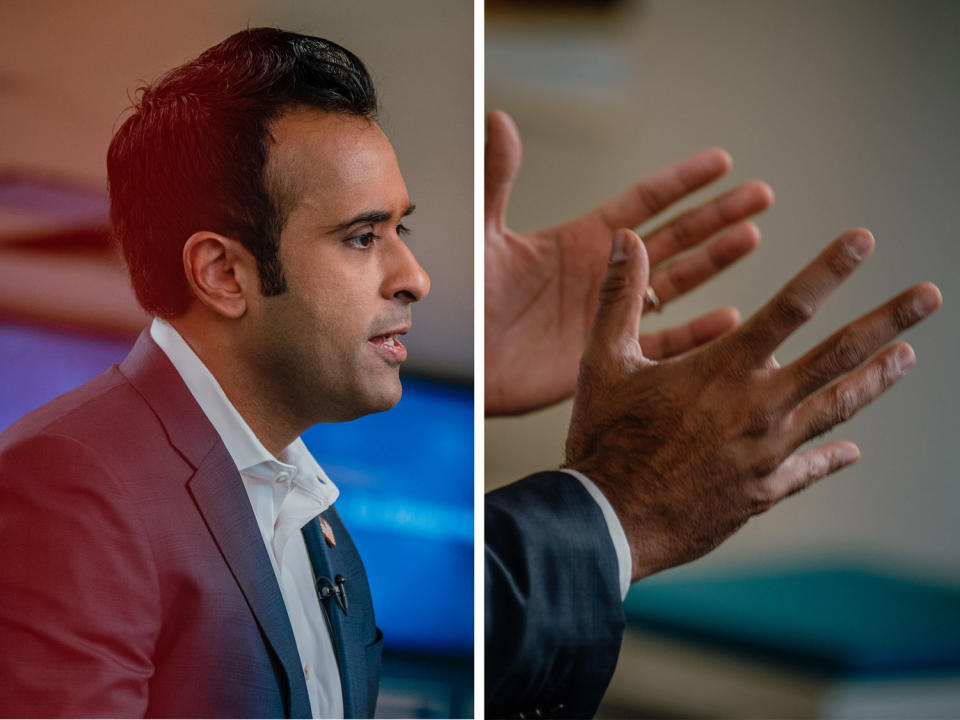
838, 620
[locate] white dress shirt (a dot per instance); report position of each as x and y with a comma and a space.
619, 537
285, 492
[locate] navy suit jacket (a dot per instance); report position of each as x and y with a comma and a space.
133, 577
554, 616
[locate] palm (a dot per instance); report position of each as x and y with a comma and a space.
539, 312
541, 287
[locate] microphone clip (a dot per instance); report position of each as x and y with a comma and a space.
335, 588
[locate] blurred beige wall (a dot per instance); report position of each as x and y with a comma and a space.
851, 111
67, 69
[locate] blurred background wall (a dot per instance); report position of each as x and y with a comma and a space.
68, 71
850, 110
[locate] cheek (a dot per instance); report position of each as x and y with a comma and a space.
334, 314
337, 297
325, 279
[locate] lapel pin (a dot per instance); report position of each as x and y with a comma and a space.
327, 532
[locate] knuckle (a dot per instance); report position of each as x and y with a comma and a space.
764, 467
729, 358
668, 345
846, 352
726, 210
810, 474
760, 498
845, 402
595, 366
796, 305
682, 234
760, 421
648, 198
603, 368
679, 276
614, 287
842, 262
889, 371
805, 481
814, 470
811, 376
902, 317
821, 421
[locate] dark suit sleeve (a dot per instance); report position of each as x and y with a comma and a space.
79, 605
554, 616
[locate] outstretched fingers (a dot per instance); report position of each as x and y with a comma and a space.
852, 345
677, 340
696, 225
839, 402
801, 470
648, 197
799, 299
687, 273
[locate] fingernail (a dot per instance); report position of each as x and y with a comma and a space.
926, 302
904, 358
619, 250
860, 244
848, 454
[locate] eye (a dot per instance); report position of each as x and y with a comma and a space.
402, 230
363, 242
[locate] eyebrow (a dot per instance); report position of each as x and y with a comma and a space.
372, 217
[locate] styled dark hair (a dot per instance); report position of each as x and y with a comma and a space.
193, 154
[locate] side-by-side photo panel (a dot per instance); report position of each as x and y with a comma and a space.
236, 343
714, 234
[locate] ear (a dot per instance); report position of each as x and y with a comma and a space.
221, 273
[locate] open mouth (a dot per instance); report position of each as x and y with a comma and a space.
389, 346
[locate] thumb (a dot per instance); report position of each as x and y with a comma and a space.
501, 164
620, 303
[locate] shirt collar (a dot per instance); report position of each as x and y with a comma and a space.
244, 447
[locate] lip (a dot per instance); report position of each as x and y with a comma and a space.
387, 344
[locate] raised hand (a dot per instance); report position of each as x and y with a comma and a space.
541, 287
687, 449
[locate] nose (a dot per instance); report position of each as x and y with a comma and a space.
404, 280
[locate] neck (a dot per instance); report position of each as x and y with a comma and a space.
270, 421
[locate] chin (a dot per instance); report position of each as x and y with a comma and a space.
388, 399
369, 400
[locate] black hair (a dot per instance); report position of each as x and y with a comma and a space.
193, 154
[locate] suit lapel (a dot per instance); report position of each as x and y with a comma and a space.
350, 629
218, 491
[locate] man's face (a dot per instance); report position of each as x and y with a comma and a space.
330, 344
